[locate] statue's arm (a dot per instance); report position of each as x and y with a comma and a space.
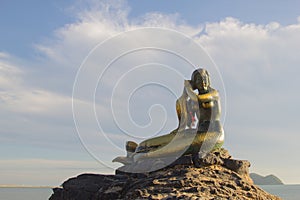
211, 96
188, 89
181, 104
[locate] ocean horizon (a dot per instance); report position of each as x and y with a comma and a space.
286, 192
25, 193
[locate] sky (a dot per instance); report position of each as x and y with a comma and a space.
52, 56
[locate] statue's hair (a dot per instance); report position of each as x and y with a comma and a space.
201, 72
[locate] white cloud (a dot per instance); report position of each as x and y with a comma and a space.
9, 74
4, 55
250, 50
42, 172
35, 101
96, 21
17, 96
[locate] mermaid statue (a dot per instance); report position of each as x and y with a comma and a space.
199, 131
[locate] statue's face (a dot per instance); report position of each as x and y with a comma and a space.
201, 81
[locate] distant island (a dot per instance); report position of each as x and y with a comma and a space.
265, 180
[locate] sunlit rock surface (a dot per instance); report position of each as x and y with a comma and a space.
217, 176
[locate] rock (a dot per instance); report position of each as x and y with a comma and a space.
217, 177
239, 166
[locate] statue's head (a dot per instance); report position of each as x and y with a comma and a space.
200, 80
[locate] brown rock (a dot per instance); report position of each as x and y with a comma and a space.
218, 177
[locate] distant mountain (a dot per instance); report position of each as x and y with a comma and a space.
265, 180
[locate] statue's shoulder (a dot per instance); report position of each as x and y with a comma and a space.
213, 91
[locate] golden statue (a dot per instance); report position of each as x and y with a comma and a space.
198, 110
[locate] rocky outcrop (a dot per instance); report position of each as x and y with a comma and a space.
217, 176
265, 180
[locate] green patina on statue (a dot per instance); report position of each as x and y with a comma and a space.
199, 130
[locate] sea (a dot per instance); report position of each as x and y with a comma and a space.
286, 192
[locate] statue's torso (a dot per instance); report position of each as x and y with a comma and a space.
209, 112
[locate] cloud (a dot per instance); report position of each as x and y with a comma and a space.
18, 96
259, 64
34, 101
9, 74
44, 172
95, 22
250, 50
31, 116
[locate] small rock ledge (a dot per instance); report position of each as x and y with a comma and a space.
217, 176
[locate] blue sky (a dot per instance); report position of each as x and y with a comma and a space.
42, 45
